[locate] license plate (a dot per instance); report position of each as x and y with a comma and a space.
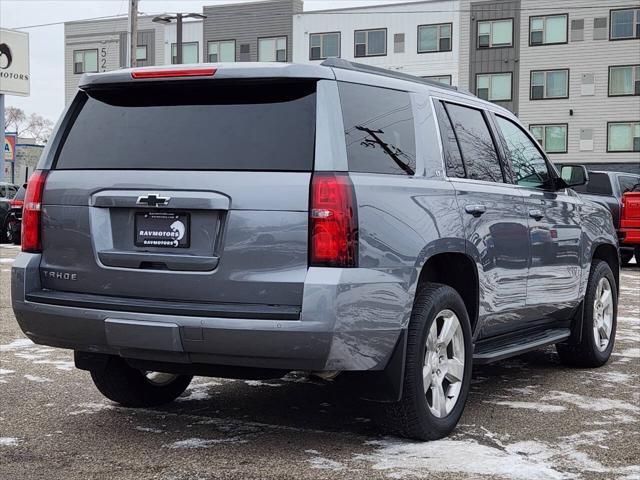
162, 229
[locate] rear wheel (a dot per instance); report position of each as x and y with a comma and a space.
599, 321
10, 231
134, 388
437, 369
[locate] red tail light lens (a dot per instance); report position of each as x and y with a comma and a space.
174, 72
333, 222
32, 212
15, 203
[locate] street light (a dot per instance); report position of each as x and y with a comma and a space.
167, 18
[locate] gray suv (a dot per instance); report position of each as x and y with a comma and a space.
246, 220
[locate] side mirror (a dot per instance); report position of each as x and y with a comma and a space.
574, 175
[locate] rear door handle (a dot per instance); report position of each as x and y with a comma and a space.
536, 214
475, 210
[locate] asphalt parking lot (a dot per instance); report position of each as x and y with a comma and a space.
527, 418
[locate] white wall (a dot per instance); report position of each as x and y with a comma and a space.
191, 32
580, 57
403, 18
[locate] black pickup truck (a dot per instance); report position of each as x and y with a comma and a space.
607, 188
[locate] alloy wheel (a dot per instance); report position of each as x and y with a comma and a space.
443, 370
603, 314
160, 378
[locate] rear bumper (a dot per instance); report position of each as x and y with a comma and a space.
350, 319
629, 237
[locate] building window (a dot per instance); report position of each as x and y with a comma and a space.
495, 33
444, 79
600, 29
189, 52
625, 24
272, 49
494, 86
434, 38
552, 138
222, 51
371, 43
624, 80
549, 84
141, 52
324, 45
85, 61
548, 30
623, 137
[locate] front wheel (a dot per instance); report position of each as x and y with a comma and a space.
134, 388
625, 257
437, 369
10, 231
599, 321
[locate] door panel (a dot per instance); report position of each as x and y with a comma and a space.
554, 272
499, 238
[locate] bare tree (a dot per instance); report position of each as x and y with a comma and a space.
33, 126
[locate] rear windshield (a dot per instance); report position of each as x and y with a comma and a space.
598, 184
193, 126
629, 184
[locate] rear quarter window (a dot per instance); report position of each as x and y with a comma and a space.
379, 129
193, 126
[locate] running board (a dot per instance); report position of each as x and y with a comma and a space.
495, 350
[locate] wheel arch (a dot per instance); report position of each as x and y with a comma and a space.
608, 253
459, 271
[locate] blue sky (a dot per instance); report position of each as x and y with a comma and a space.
47, 43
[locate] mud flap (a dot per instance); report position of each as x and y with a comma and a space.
385, 385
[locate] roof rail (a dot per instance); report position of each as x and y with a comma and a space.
361, 67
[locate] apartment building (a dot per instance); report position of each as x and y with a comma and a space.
569, 70
419, 38
101, 46
259, 31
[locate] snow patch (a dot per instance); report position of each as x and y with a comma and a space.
403, 459
9, 441
33, 378
7, 260
16, 344
540, 407
589, 403
629, 353
65, 365
91, 408
149, 429
260, 383
201, 443
4, 371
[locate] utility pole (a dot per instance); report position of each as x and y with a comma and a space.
133, 31
179, 38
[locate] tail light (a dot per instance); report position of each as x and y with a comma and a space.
174, 72
16, 203
32, 212
333, 222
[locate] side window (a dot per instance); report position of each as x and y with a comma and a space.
476, 145
11, 191
528, 164
379, 129
452, 158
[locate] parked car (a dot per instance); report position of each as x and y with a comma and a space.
334, 218
608, 188
13, 222
7, 192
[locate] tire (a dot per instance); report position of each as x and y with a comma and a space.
412, 416
9, 233
132, 388
637, 255
590, 353
625, 257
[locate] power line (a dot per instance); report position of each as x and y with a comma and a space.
358, 12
